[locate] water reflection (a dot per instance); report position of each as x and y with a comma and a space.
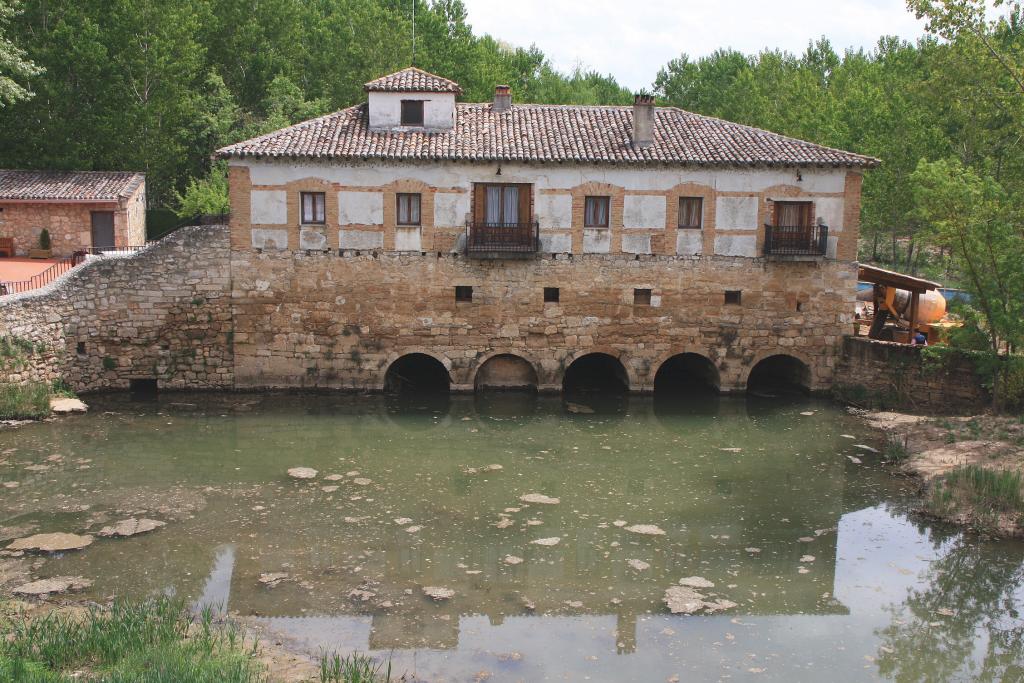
830, 577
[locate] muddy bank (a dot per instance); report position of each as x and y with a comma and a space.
969, 467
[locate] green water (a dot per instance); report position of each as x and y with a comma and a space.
845, 585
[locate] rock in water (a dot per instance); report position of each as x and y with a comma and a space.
539, 498
66, 406
271, 579
554, 541
646, 530
579, 409
512, 559
438, 593
638, 565
58, 584
302, 473
131, 527
683, 600
696, 582
51, 543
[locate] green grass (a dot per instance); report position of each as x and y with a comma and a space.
896, 448
990, 490
355, 668
156, 641
24, 401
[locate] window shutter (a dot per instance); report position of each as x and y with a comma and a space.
525, 204
478, 203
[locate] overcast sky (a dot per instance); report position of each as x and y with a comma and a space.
633, 39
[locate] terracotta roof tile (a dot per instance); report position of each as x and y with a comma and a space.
543, 133
412, 80
99, 186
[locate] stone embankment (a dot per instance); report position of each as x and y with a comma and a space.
162, 314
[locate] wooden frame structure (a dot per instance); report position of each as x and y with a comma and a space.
886, 283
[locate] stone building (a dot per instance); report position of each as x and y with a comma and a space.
418, 240
80, 209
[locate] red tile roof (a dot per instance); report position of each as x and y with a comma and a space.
412, 80
541, 133
100, 186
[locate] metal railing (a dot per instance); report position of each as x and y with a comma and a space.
63, 266
44, 278
795, 240
502, 238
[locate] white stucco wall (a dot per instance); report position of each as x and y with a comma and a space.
386, 109
689, 242
597, 241
736, 213
360, 208
269, 239
736, 245
554, 211
360, 239
268, 207
639, 211
556, 243
542, 176
636, 244
407, 239
451, 209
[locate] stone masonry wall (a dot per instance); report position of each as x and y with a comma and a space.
323, 320
892, 375
163, 313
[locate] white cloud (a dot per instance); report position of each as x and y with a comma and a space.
632, 40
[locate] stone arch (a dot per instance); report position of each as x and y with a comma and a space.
417, 370
505, 370
597, 372
687, 373
780, 372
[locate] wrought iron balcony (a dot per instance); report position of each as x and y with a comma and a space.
502, 240
795, 240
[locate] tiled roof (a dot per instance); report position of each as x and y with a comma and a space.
413, 80
101, 186
543, 133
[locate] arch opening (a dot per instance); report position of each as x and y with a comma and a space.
417, 373
686, 374
506, 372
779, 375
596, 373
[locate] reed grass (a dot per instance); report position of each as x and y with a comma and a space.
154, 641
354, 668
24, 401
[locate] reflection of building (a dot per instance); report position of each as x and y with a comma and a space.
415, 240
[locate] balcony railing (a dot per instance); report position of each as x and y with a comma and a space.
502, 239
795, 240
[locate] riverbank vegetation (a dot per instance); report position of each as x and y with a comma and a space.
150, 641
137, 642
970, 468
25, 401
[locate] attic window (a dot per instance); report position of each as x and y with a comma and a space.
412, 112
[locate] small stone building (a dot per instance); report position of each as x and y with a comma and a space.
415, 238
80, 209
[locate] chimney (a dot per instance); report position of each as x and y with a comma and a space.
502, 98
643, 120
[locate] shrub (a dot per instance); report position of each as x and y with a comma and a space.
205, 196
24, 401
44, 239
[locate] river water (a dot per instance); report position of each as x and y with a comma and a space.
775, 502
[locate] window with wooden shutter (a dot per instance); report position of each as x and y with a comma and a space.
794, 214
502, 204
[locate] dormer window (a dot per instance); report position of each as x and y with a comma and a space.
412, 112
